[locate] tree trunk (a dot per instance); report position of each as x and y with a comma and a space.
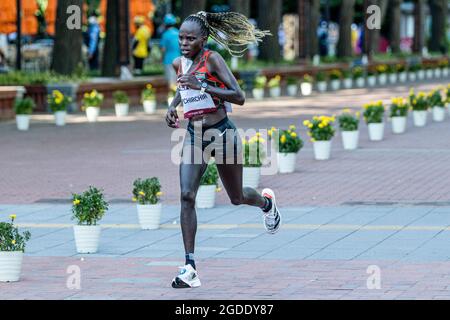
438, 10
241, 6
394, 31
270, 47
314, 23
189, 7
418, 26
344, 46
376, 33
68, 42
111, 50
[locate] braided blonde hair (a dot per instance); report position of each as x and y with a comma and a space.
232, 30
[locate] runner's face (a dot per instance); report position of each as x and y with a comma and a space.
191, 39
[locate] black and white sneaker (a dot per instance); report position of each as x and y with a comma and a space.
187, 278
272, 218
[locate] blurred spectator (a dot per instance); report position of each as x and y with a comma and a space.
170, 47
92, 40
141, 48
3, 53
322, 33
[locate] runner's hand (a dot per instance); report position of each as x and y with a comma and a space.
172, 117
189, 81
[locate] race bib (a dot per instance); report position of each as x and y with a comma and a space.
196, 103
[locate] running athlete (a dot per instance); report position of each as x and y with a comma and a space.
206, 88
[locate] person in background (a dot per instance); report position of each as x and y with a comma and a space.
92, 42
141, 40
170, 48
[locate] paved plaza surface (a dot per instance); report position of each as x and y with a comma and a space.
383, 209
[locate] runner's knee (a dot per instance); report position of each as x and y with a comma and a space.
187, 198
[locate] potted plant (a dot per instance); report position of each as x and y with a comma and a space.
289, 144
258, 87
357, 73
401, 70
392, 74
412, 72
88, 208
321, 132
419, 105
91, 104
420, 73
398, 114
147, 194
23, 109
171, 94
348, 81
349, 123
374, 117
209, 185
429, 71
12, 247
148, 99
253, 157
59, 103
437, 69
274, 86
121, 103
321, 80
292, 86
437, 104
335, 77
382, 74
306, 85
371, 77
243, 86
443, 64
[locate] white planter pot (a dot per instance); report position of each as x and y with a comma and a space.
445, 72
335, 84
437, 73
438, 114
429, 73
60, 118
251, 177
420, 118
376, 131
206, 197
149, 216
348, 83
371, 81
92, 113
322, 150
10, 265
275, 92
402, 76
412, 76
286, 162
121, 109
322, 86
448, 108
258, 93
306, 88
87, 238
23, 122
149, 106
350, 139
360, 82
398, 124
392, 78
292, 90
420, 74
382, 79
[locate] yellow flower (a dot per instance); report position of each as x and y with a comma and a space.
261, 140
244, 141
292, 127
76, 202
158, 194
269, 133
347, 110
310, 125
321, 125
149, 86
134, 199
283, 139
142, 193
13, 241
306, 123
93, 94
258, 134
58, 100
218, 189
357, 114
13, 216
313, 140
293, 135
86, 95
309, 133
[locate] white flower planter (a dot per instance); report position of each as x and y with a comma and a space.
149, 106
206, 197
371, 81
420, 74
87, 238
121, 109
348, 83
250, 177
10, 265
398, 125
412, 76
350, 139
23, 122
258, 93
420, 118
376, 131
360, 82
292, 90
402, 76
322, 150
437, 73
382, 79
335, 84
445, 72
149, 216
60, 118
438, 114
321, 86
306, 88
429, 73
286, 162
92, 113
392, 78
275, 92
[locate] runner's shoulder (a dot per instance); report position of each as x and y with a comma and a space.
176, 63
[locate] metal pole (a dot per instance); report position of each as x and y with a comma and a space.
18, 35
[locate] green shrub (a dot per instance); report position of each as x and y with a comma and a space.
89, 207
10, 238
24, 106
57, 101
348, 121
120, 97
399, 107
374, 112
147, 191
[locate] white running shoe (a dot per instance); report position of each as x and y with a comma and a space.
187, 278
272, 218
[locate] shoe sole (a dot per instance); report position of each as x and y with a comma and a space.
270, 194
184, 285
